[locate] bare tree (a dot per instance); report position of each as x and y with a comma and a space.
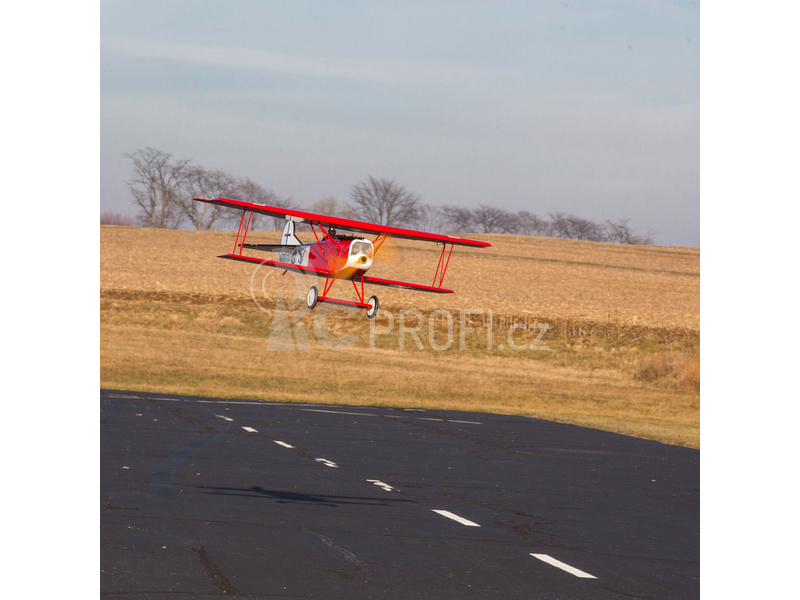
490, 219
530, 224
576, 228
163, 188
385, 202
430, 219
458, 219
156, 187
112, 218
328, 206
620, 233
250, 191
205, 183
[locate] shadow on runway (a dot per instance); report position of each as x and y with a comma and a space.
284, 497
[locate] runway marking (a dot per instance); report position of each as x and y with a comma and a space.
359, 414
327, 463
380, 484
339, 412
346, 554
223, 417
462, 520
449, 421
232, 402
565, 567
250, 430
284, 444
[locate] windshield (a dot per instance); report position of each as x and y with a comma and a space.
361, 247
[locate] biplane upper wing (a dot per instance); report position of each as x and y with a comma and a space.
345, 224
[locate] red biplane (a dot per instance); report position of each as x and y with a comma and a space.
334, 255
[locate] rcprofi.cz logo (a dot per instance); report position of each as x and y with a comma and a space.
284, 300
282, 296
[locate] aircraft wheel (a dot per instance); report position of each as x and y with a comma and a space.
312, 297
373, 307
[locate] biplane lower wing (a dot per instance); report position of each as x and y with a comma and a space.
408, 286
278, 264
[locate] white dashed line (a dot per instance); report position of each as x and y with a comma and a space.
223, 417
380, 484
557, 563
284, 444
462, 520
250, 429
327, 463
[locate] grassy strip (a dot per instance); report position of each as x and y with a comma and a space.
644, 387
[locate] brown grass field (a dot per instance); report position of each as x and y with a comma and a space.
622, 338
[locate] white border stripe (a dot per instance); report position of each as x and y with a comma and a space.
462, 520
284, 444
249, 429
339, 412
557, 563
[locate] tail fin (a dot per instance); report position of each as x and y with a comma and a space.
289, 238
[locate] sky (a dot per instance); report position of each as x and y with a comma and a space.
590, 108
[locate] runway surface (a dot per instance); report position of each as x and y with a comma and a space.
206, 498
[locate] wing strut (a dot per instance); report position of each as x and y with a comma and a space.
443, 265
238, 233
320, 245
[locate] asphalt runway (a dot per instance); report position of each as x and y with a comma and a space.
206, 498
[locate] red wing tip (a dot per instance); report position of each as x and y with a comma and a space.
468, 242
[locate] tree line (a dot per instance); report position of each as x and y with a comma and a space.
163, 187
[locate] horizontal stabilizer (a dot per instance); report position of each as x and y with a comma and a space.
277, 264
271, 247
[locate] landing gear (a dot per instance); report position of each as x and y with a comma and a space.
312, 297
373, 307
